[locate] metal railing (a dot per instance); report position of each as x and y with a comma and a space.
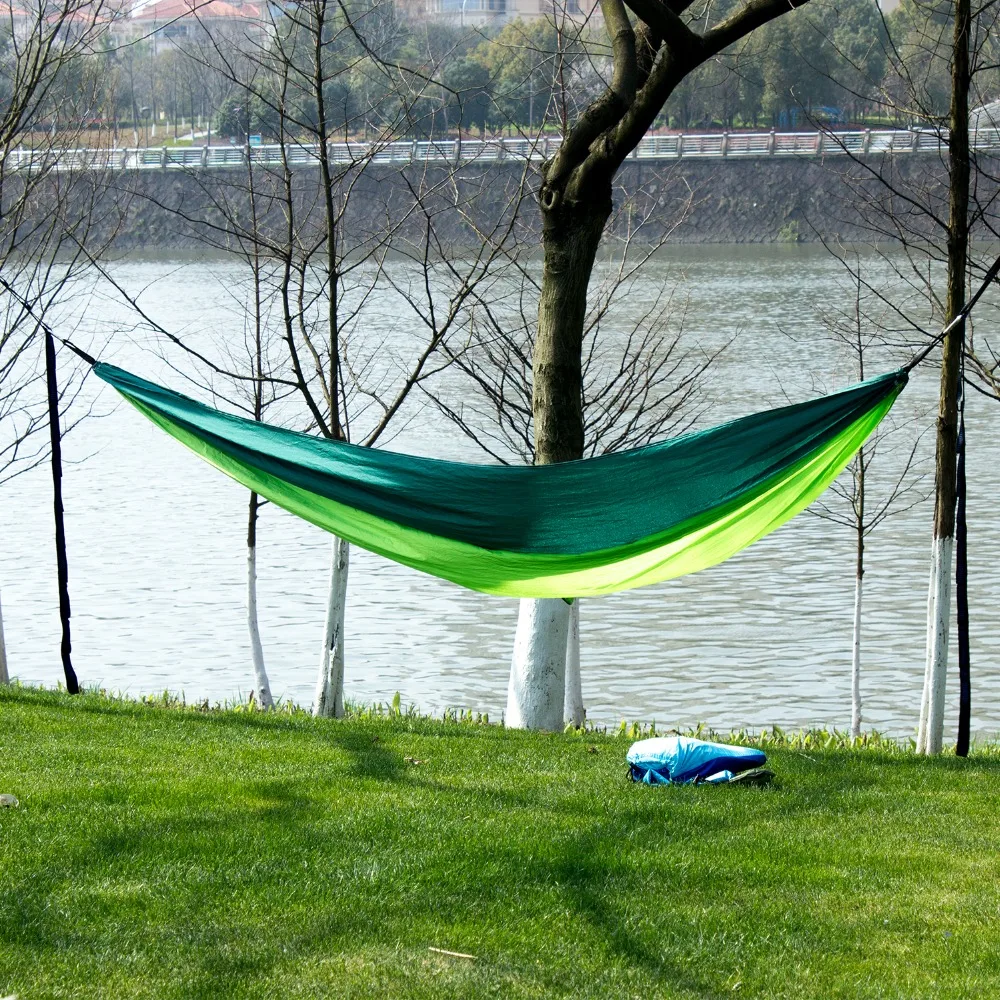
685, 145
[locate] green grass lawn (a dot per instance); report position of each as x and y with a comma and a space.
177, 854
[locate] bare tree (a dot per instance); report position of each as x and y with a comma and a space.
868, 493
51, 204
650, 56
302, 220
942, 58
642, 380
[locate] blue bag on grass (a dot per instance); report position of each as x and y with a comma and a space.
679, 760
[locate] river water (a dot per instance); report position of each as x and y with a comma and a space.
157, 556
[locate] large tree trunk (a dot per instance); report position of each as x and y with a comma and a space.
931, 733
536, 688
570, 236
4, 675
329, 699
261, 686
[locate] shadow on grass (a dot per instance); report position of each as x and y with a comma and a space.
370, 758
80, 912
585, 877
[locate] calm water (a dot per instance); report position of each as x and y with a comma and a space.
157, 557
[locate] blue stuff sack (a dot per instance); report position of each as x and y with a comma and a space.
680, 760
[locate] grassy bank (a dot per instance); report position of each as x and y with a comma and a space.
177, 854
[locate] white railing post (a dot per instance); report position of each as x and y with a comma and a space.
204, 157
163, 158
915, 142
772, 143
866, 143
680, 144
724, 147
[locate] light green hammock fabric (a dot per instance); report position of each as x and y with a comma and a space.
578, 529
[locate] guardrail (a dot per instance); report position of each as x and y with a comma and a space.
685, 145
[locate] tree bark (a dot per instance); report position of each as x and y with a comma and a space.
570, 237
329, 701
571, 234
262, 688
4, 675
931, 733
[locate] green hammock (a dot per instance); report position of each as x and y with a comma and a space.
578, 529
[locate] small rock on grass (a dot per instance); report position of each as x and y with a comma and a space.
8, 801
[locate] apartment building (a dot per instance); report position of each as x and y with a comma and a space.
171, 24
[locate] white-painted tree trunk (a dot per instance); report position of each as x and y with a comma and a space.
261, 686
537, 689
4, 676
329, 699
856, 663
930, 736
574, 711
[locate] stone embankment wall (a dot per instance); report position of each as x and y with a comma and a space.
762, 200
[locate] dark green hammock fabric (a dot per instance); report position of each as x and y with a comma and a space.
578, 529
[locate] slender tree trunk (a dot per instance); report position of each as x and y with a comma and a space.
859, 512
962, 599
575, 712
4, 675
570, 236
856, 657
262, 689
62, 563
329, 699
931, 733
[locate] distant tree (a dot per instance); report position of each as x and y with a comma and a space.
470, 87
